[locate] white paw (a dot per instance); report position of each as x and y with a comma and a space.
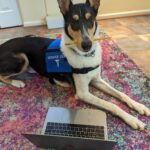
135, 123
18, 84
140, 108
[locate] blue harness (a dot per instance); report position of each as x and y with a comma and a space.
57, 63
55, 60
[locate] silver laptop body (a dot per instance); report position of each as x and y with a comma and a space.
65, 129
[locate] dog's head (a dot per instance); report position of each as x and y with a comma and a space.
80, 22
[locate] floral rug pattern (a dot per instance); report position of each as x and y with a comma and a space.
24, 110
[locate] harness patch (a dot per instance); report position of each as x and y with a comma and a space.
55, 60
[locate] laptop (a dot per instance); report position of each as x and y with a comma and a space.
73, 129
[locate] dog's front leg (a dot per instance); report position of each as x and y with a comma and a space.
102, 85
82, 93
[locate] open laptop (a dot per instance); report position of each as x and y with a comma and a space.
73, 129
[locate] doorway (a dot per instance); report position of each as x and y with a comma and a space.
9, 14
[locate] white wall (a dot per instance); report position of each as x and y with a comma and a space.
118, 8
115, 6
53, 8
35, 11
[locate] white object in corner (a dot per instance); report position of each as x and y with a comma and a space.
54, 22
9, 14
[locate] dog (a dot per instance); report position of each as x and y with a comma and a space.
84, 56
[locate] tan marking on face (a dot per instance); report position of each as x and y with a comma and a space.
75, 17
87, 15
77, 36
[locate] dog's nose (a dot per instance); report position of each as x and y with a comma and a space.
86, 45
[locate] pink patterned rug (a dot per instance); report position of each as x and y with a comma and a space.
24, 110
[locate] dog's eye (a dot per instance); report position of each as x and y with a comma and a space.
75, 24
90, 23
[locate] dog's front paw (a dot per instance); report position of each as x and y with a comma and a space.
18, 84
140, 108
135, 123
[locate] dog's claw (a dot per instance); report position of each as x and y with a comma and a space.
140, 108
18, 84
135, 123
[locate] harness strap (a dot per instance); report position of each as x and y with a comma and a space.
83, 70
57, 63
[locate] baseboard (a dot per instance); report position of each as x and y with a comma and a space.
51, 21
35, 23
123, 14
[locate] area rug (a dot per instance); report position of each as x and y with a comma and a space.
24, 110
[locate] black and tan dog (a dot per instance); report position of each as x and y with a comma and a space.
84, 55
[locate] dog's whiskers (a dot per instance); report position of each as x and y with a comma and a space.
96, 39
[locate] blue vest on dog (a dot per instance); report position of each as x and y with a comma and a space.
55, 60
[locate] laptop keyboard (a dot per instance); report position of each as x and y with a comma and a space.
75, 130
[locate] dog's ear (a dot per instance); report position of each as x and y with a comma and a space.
64, 5
94, 4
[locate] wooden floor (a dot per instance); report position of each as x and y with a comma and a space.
132, 34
